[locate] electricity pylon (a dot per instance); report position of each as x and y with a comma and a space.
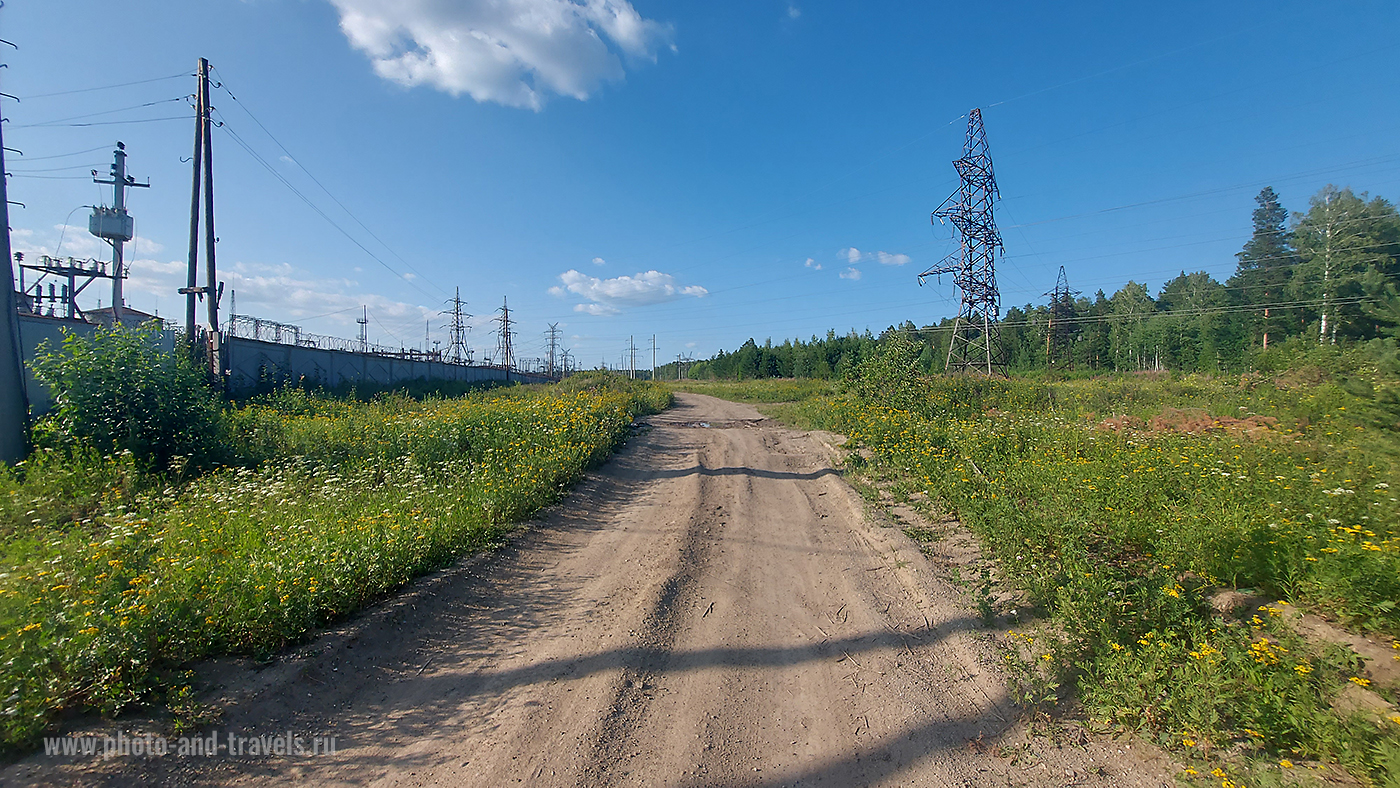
975, 345
1058, 354
457, 349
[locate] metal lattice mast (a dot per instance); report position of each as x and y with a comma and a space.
503, 344
552, 338
1059, 326
457, 349
975, 345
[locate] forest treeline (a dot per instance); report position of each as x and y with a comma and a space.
1327, 275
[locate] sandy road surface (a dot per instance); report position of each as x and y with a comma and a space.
712, 607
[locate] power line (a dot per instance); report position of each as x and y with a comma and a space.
106, 87
65, 155
101, 123
56, 121
317, 181
61, 169
273, 171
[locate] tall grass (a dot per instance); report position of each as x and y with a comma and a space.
113, 576
1121, 505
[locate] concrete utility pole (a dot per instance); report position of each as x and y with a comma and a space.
191, 289
14, 404
631, 358
202, 177
653, 357
213, 291
114, 224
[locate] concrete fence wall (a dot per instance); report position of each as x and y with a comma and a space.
250, 361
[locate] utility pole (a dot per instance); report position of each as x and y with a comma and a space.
1061, 311
653, 357
202, 177
457, 348
503, 346
631, 358
552, 336
14, 403
678, 366
114, 224
976, 342
213, 292
363, 320
191, 289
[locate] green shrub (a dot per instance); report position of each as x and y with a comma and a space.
116, 390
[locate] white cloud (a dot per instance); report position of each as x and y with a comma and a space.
278, 292
597, 310
793, 11
609, 296
812, 264
850, 273
690, 344
599, 261
854, 255
281, 292
512, 52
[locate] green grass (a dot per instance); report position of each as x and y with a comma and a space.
1120, 504
113, 578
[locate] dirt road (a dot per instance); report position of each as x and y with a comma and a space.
715, 606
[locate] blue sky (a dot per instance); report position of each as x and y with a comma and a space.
704, 172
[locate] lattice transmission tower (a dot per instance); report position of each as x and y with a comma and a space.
457, 328
552, 345
505, 355
975, 345
1059, 331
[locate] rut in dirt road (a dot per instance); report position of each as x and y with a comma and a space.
715, 606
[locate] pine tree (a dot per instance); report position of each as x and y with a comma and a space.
1264, 267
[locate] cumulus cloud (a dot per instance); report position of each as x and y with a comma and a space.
599, 261
280, 292
597, 310
512, 52
610, 296
850, 273
812, 264
854, 255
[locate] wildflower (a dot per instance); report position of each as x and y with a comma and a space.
1285, 763
1360, 682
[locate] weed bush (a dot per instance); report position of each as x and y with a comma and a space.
1122, 504
115, 390
108, 586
